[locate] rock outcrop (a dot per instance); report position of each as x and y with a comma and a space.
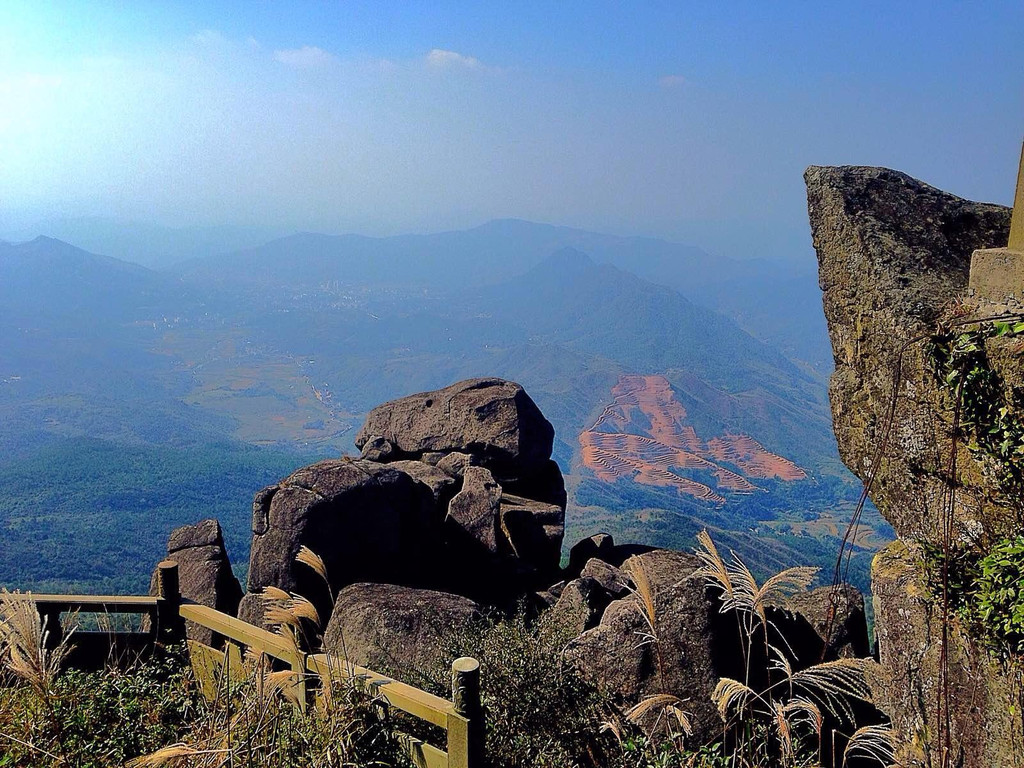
204, 572
894, 258
822, 624
631, 654
985, 723
893, 255
455, 490
396, 628
494, 421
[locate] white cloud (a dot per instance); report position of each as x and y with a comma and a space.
306, 57
440, 58
672, 81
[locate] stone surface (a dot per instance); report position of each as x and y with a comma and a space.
492, 419
543, 483
454, 463
599, 545
204, 572
893, 255
581, 604
377, 449
474, 512
367, 521
985, 722
533, 530
804, 621
393, 627
455, 490
442, 485
613, 580
621, 656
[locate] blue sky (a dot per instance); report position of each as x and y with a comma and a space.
691, 121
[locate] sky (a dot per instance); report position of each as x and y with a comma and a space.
688, 121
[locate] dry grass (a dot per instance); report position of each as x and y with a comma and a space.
262, 721
24, 637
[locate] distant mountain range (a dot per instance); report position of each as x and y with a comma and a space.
282, 348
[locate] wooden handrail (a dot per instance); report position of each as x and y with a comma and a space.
461, 717
241, 632
421, 704
90, 603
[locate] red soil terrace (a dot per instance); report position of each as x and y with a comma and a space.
612, 449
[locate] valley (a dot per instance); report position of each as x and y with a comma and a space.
668, 416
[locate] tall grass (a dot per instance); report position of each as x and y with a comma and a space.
772, 715
259, 719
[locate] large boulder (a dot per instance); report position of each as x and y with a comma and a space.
474, 514
367, 521
455, 490
894, 258
822, 624
204, 572
893, 255
985, 725
492, 419
631, 654
393, 627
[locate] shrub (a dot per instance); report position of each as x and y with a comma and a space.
1000, 594
103, 718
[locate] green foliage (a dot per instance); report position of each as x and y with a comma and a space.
961, 366
986, 590
642, 752
104, 717
753, 526
539, 712
1000, 593
88, 515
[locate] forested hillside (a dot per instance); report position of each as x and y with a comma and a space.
163, 397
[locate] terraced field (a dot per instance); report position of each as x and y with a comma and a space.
642, 435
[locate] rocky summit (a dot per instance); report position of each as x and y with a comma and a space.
454, 511
894, 258
455, 490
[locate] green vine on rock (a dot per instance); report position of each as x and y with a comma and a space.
961, 365
986, 591
985, 588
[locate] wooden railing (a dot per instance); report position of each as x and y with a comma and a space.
461, 717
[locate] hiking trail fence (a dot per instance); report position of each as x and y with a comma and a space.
461, 717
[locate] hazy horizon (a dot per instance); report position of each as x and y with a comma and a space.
687, 123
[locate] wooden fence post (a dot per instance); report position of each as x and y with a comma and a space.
466, 723
169, 625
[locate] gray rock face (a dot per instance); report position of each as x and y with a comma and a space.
396, 627
600, 545
985, 724
804, 621
621, 656
580, 605
474, 512
612, 580
204, 572
492, 419
455, 490
367, 521
893, 253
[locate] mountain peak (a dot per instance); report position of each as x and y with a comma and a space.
567, 259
